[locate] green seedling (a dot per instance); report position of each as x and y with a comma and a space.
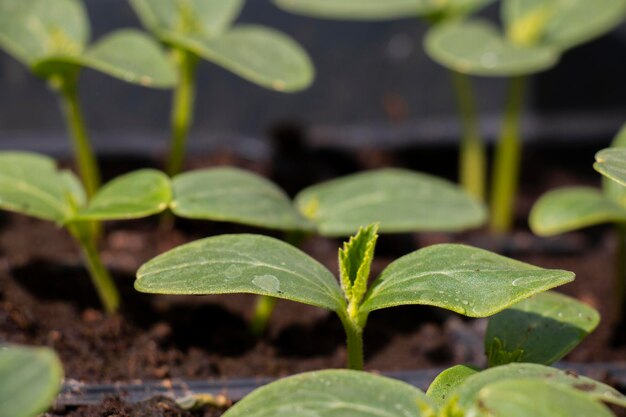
572, 208
30, 379
199, 29
31, 184
466, 280
535, 35
399, 200
52, 39
473, 160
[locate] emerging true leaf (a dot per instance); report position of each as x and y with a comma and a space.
242, 264
31, 184
573, 208
398, 200
30, 379
467, 280
468, 392
234, 195
355, 260
138, 194
612, 164
541, 329
534, 398
447, 381
478, 48
334, 393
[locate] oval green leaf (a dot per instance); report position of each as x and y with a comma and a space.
534, 398
612, 189
209, 18
447, 381
478, 48
131, 196
334, 393
470, 281
235, 195
31, 184
399, 200
31, 30
258, 54
359, 9
467, 392
30, 379
567, 23
242, 264
572, 208
612, 164
541, 329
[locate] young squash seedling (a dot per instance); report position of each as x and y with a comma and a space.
573, 208
472, 159
30, 379
399, 200
31, 184
469, 281
536, 33
51, 39
200, 29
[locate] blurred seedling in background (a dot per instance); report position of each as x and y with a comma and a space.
466, 280
52, 39
473, 159
535, 34
200, 29
572, 208
30, 379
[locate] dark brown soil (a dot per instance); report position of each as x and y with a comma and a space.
116, 407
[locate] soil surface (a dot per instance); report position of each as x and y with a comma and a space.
46, 298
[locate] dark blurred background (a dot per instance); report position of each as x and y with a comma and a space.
375, 87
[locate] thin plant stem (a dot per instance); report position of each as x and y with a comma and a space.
83, 152
473, 155
182, 110
507, 160
620, 282
105, 286
354, 342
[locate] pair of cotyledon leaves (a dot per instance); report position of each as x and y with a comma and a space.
51, 36
573, 208
536, 33
400, 200
30, 379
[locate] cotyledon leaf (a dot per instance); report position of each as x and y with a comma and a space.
611, 163
138, 194
466, 280
30, 379
32, 184
478, 48
534, 398
467, 392
439, 390
242, 264
543, 329
398, 200
612, 189
127, 54
334, 393
209, 18
235, 195
35, 29
256, 53
573, 208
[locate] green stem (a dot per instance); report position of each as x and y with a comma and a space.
83, 152
354, 340
265, 304
182, 110
473, 155
507, 160
620, 283
105, 286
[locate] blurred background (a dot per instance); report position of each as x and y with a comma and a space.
375, 88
